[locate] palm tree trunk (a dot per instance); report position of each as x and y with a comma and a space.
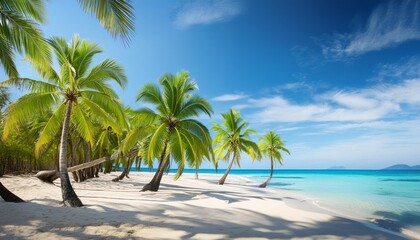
69, 196
271, 175
196, 171
124, 173
8, 196
223, 179
138, 164
154, 184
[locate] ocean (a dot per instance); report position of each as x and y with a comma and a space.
390, 198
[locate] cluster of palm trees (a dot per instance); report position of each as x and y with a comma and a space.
74, 102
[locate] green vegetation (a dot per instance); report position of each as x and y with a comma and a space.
233, 138
72, 117
73, 94
271, 145
20, 32
174, 133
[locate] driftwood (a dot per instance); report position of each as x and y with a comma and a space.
50, 175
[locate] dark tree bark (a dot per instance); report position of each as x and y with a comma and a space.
69, 196
124, 172
223, 179
48, 176
154, 184
8, 196
138, 164
97, 171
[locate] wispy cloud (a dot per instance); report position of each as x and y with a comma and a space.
229, 97
388, 25
202, 12
405, 69
361, 105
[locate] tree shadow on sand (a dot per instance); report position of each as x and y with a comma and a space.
185, 221
396, 222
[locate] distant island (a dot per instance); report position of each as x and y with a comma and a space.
402, 167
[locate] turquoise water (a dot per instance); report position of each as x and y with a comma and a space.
367, 194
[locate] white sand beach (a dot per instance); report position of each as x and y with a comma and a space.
183, 209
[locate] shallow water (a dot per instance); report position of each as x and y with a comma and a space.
391, 199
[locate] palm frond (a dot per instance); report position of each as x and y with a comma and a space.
106, 70
25, 107
117, 16
31, 85
24, 36
82, 124
29, 8
6, 57
98, 111
51, 129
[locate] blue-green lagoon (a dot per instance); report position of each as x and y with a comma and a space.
389, 198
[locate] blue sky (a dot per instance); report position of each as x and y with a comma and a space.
339, 80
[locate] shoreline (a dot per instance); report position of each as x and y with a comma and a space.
235, 210
369, 222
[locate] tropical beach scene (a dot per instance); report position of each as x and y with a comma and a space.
209, 119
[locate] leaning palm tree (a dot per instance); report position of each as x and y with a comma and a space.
174, 132
20, 32
75, 92
232, 138
270, 145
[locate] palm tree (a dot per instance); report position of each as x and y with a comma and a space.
232, 138
76, 92
174, 132
270, 146
19, 32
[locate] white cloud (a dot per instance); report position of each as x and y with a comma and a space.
363, 105
229, 97
407, 69
388, 25
353, 100
202, 12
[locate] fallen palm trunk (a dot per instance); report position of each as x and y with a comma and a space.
50, 175
8, 196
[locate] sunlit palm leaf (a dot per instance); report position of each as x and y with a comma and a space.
117, 16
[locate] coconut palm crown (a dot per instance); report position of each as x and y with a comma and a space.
73, 92
271, 144
232, 138
175, 133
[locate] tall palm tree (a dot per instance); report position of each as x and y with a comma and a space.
271, 144
174, 132
232, 138
20, 32
75, 92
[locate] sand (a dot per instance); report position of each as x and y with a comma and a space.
183, 209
